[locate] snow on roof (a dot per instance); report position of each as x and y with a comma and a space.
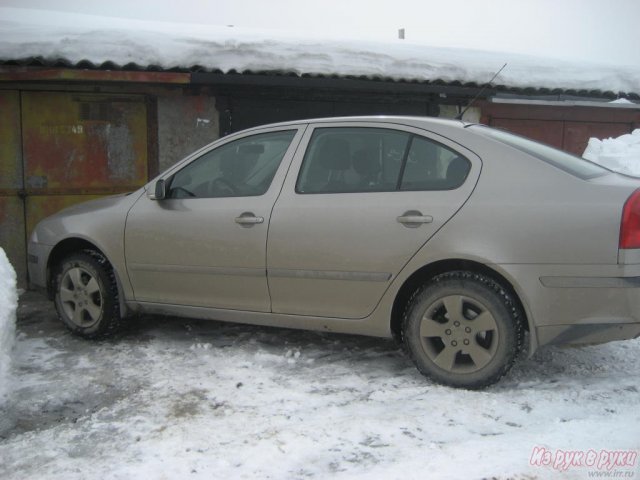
76, 38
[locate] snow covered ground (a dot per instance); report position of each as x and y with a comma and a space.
172, 398
621, 154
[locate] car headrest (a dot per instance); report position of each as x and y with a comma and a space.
334, 154
365, 162
458, 170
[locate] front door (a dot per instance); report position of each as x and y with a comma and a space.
205, 243
366, 198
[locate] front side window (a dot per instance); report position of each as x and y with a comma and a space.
244, 167
360, 159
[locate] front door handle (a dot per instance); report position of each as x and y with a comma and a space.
414, 218
248, 219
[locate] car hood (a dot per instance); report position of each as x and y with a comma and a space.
109, 212
92, 206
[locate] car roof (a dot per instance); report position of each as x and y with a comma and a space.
400, 119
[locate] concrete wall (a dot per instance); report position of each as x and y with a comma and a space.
185, 124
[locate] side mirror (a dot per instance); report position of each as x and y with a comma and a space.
159, 191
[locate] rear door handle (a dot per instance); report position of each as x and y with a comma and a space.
248, 219
414, 218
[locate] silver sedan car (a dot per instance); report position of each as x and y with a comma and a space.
459, 240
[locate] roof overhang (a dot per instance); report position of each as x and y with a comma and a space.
39, 70
565, 103
27, 74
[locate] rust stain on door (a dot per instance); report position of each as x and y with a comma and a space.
79, 141
12, 228
81, 146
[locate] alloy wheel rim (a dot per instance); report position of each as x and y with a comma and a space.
80, 297
459, 334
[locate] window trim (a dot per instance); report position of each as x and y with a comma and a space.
403, 166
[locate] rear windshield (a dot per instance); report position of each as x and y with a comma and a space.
565, 161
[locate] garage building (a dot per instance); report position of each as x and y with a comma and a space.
79, 126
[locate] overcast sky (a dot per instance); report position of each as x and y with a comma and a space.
593, 30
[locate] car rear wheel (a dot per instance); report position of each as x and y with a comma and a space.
463, 329
86, 295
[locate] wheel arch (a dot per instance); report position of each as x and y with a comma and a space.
71, 245
427, 272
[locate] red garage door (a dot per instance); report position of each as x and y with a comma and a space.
564, 127
60, 148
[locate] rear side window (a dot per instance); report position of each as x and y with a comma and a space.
432, 166
340, 160
576, 166
355, 159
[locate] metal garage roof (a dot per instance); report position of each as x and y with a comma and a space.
73, 41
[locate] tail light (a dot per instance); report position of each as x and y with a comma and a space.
630, 225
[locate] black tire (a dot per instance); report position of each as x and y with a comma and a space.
446, 345
86, 295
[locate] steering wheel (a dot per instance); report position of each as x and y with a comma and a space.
223, 187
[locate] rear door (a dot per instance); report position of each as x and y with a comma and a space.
359, 200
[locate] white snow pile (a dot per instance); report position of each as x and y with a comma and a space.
8, 305
620, 154
26, 33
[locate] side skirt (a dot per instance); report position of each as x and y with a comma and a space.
365, 326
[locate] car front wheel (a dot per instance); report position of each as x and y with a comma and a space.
463, 329
86, 295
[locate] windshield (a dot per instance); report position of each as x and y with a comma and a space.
565, 161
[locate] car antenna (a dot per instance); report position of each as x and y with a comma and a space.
461, 114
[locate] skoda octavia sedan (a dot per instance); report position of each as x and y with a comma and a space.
456, 239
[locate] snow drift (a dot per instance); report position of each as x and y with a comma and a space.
8, 305
620, 154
